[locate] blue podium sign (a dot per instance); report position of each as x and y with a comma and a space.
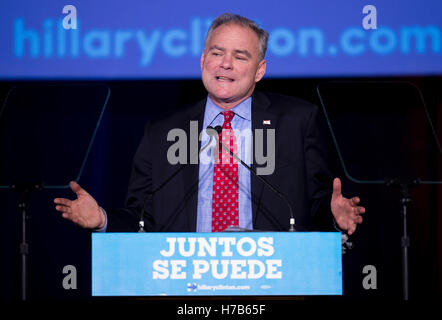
229, 263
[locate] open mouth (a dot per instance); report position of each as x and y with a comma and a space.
221, 78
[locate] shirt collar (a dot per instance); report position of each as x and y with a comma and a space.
244, 110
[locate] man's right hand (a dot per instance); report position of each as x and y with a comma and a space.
83, 211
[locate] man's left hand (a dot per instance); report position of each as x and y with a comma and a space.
345, 211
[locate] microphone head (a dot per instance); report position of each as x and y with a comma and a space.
211, 131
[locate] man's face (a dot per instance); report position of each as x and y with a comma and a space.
230, 65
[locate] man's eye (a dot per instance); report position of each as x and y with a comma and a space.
216, 54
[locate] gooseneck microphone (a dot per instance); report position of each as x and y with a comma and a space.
210, 132
215, 132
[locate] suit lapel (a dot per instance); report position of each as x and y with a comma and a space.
262, 119
191, 173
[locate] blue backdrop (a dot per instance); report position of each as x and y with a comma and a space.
164, 39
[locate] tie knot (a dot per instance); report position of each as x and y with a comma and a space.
228, 115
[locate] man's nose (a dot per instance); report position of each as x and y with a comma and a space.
226, 63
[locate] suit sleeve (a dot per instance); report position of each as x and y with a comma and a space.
140, 185
321, 165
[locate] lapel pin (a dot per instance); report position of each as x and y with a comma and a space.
266, 122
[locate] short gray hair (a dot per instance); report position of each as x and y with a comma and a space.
229, 18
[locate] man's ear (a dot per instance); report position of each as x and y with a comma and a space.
202, 60
261, 70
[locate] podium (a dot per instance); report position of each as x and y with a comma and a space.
220, 264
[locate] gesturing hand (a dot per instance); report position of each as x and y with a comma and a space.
83, 211
345, 211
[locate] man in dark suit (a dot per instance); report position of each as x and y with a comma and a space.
210, 197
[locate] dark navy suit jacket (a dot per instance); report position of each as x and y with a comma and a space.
304, 171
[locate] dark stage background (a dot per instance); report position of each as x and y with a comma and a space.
55, 242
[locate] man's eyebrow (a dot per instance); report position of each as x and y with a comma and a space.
237, 51
217, 48
244, 52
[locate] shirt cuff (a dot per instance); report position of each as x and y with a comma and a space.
335, 225
105, 223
